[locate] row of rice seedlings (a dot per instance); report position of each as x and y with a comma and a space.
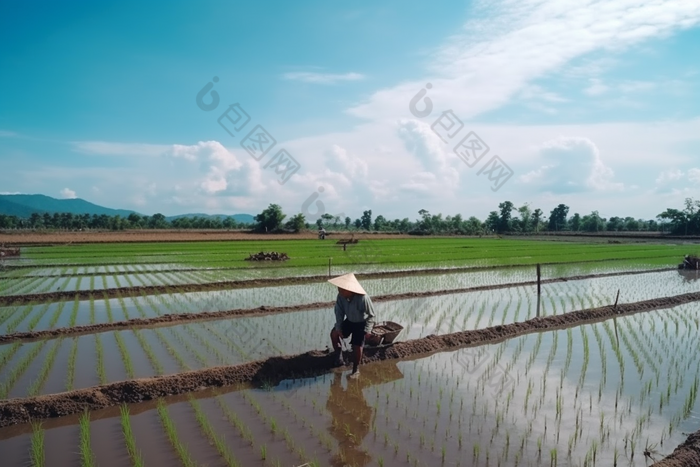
37, 454
155, 363
8, 313
74, 312
87, 458
72, 358
108, 307
8, 352
101, 373
122, 305
48, 287
124, 352
172, 435
272, 425
38, 383
21, 315
92, 309
321, 435
233, 418
129, 438
206, 343
171, 350
218, 441
20, 367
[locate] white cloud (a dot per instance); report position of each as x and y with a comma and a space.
67, 193
669, 176
7, 134
322, 78
106, 148
596, 87
694, 175
631, 86
519, 41
573, 165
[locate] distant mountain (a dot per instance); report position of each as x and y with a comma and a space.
26, 205
240, 218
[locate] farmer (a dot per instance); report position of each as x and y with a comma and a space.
354, 315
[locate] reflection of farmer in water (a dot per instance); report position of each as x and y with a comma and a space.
352, 415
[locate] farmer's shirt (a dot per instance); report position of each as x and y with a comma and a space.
359, 308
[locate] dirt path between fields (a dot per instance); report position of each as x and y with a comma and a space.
178, 318
275, 369
687, 454
124, 292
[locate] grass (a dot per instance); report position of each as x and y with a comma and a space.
129, 438
407, 250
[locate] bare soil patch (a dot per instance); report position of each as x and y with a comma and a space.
173, 319
686, 454
62, 238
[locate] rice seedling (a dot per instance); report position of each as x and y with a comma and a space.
20, 367
38, 383
129, 439
101, 374
124, 352
87, 458
37, 454
70, 376
171, 433
209, 432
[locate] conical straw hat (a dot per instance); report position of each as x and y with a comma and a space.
348, 282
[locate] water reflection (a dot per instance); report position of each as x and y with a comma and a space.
352, 415
689, 275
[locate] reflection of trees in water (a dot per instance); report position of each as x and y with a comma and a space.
352, 415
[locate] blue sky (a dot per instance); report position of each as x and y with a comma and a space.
596, 105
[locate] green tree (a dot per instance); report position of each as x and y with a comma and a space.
348, 221
506, 208
557, 218
536, 219
296, 223
270, 219
525, 217
380, 223
492, 222
367, 219
576, 222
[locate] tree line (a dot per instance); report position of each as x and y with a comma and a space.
69, 221
507, 219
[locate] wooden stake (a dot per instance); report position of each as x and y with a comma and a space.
616, 298
539, 288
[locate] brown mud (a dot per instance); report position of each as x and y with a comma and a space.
313, 363
686, 454
178, 318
